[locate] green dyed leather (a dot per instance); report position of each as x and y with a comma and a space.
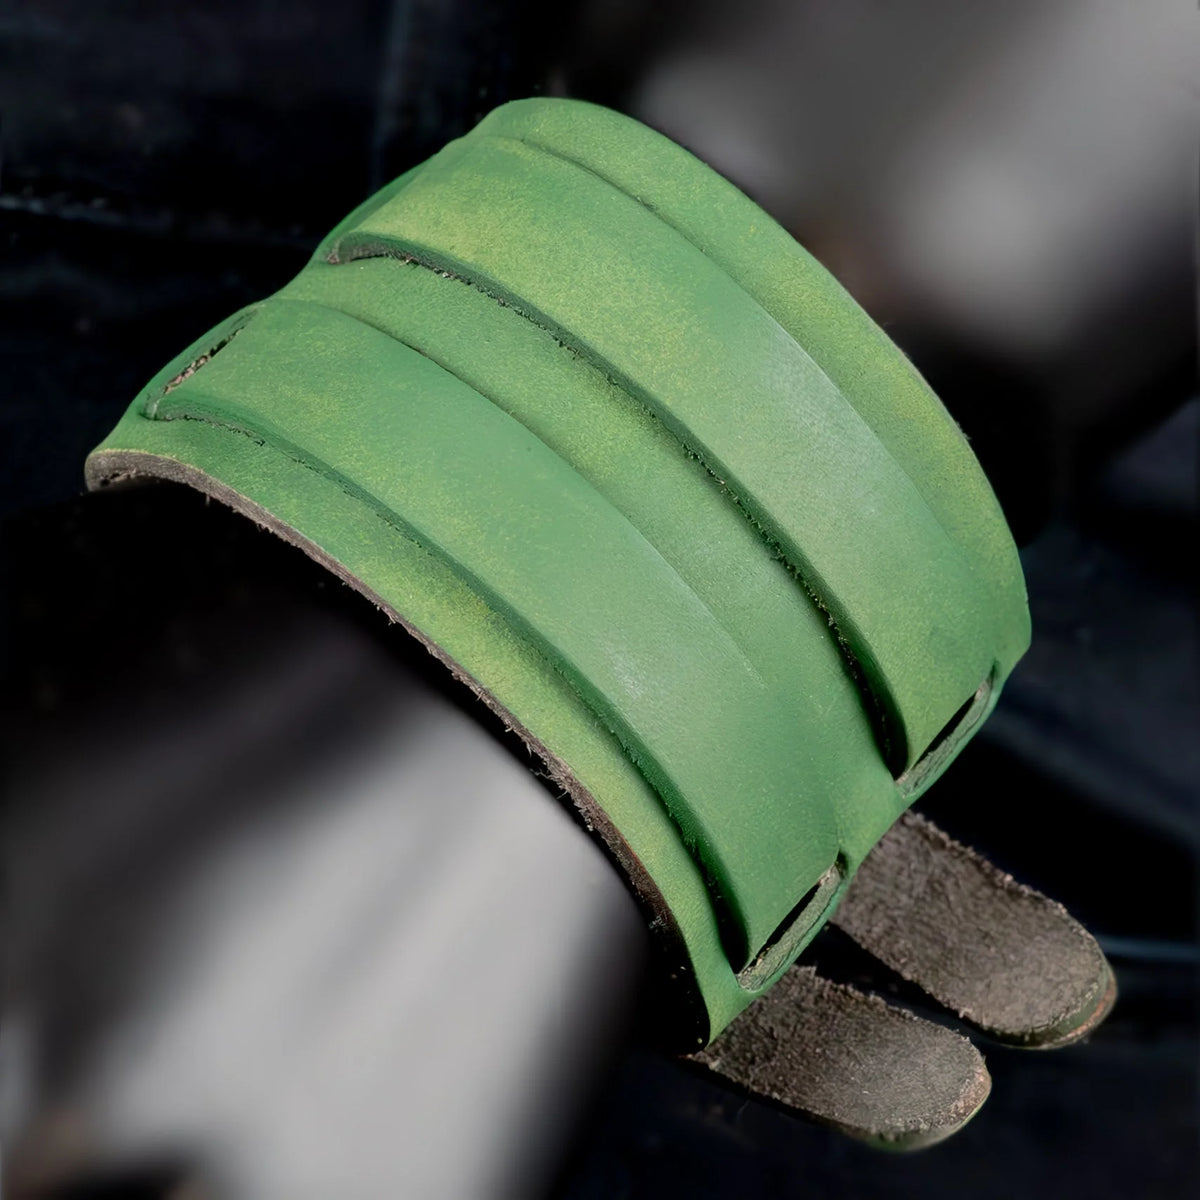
580, 415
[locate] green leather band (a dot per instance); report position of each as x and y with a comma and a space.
497, 212
707, 542
763, 258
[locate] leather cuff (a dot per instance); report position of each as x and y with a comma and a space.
587, 422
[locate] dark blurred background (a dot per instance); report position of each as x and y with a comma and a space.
1009, 189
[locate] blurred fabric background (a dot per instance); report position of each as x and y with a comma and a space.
1009, 189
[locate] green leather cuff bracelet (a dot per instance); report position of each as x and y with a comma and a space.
577, 413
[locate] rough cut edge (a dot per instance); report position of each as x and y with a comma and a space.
680, 1022
872, 914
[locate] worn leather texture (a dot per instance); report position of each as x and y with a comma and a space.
1006, 959
586, 421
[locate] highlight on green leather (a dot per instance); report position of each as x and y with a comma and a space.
584, 419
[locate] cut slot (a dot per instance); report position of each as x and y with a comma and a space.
948, 740
794, 930
197, 363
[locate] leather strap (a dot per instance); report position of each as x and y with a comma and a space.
1006, 959
849, 1060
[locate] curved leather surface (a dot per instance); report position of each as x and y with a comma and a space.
728, 568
